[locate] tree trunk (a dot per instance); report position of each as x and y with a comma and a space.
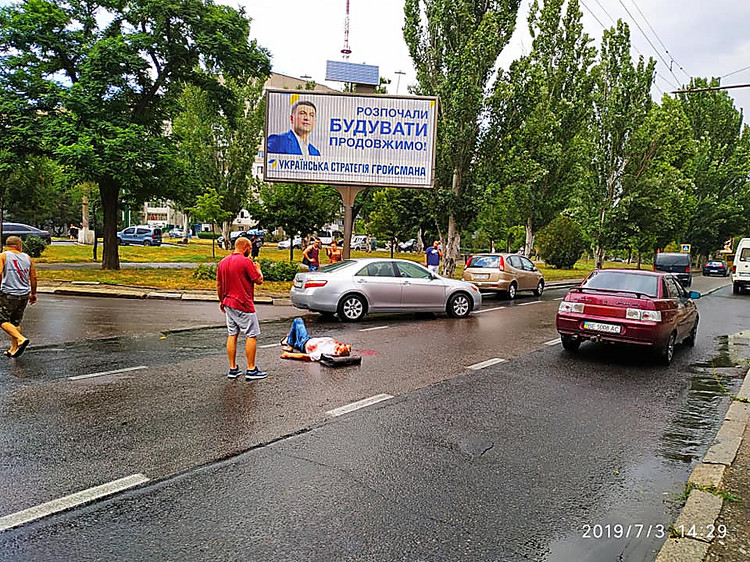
291, 249
393, 245
226, 228
420, 241
185, 227
639, 259
453, 242
110, 195
528, 246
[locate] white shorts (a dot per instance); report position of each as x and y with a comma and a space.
433, 268
240, 322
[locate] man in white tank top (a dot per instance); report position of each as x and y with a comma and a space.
17, 288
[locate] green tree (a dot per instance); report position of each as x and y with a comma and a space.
538, 110
621, 101
454, 45
208, 208
102, 77
296, 207
720, 169
217, 145
387, 218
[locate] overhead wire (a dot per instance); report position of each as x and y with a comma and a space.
659, 39
736, 71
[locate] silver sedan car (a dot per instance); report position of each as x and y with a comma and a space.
353, 288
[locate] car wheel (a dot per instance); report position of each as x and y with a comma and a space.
666, 353
352, 308
539, 288
690, 340
147, 242
570, 343
511, 292
459, 305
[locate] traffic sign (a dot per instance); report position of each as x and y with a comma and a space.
685, 248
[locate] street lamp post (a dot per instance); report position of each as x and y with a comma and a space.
398, 82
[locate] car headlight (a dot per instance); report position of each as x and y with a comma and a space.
576, 307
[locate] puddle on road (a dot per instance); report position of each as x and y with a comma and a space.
653, 486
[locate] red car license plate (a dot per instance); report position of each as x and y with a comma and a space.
602, 327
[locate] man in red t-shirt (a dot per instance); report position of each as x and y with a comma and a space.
236, 278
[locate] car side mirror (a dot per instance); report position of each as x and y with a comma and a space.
694, 295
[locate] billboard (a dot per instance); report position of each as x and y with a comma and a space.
349, 139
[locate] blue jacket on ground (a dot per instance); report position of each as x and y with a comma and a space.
287, 144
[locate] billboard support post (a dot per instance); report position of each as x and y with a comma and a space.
348, 195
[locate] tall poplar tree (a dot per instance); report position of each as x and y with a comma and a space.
621, 102
454, 45
537, 112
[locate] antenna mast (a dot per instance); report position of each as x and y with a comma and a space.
346, 51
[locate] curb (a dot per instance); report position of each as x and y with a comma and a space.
702, 508
92, 291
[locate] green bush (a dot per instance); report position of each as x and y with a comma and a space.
208, 235
278, 270
561, 242
205, 272
272, 271
34, 246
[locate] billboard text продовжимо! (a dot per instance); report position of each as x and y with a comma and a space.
346, 139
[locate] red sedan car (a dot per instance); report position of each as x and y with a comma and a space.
638, 307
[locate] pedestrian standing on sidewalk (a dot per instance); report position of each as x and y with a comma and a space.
17, 289
236, 278
432, 257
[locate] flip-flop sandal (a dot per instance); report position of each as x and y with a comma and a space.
6, 353
21, 348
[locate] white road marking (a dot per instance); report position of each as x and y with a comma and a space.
103, 373
488, 363
269, 345
528, 303
553, 342
68, 502
489, 309
559, 299
357, 405
375, 328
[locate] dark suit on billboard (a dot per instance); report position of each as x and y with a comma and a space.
287, 143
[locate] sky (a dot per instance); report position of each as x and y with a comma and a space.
694, 37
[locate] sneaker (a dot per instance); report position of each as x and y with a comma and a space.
234, 373
255, 374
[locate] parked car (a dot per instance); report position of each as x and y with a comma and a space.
221, 241
144, 234
408, 245
505, 273
356, 287
675, 263
741, 267
359, 243
631, 306
24, 230
284, 244
716, 267
179, 233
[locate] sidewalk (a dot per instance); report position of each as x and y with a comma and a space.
711, 526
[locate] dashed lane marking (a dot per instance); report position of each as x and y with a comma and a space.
553, 342
357, 405
268, 345
104, 373
375, 328
488, 363
529, 303
68, 502
489, 309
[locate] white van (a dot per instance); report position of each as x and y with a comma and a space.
741, 267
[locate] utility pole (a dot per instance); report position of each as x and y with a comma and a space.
400, 73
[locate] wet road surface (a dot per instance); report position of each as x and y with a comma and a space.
506, 462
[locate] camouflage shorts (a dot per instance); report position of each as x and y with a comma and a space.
11, 308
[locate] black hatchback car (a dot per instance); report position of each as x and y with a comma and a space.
24, 230
675, 263
716, 267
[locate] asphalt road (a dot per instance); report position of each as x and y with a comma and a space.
505, 462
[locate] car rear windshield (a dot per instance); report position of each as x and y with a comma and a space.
334, 266
745, 254
623, 281
492, 262
672, 259
714, 263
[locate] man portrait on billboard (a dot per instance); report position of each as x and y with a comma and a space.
296, 140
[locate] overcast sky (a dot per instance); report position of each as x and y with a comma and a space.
705, 38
